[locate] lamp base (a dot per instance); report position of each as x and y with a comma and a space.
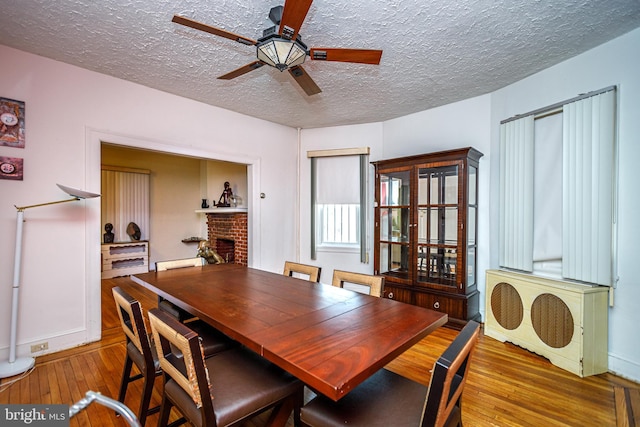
21, 364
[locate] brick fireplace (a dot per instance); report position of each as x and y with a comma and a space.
227, 232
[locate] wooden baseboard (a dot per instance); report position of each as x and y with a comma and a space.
110, 337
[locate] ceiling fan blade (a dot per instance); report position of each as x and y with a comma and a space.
242, 70
304, 80
187, 22
293, 16
361, 56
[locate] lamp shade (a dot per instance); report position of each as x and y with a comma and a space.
78, 194
281, 53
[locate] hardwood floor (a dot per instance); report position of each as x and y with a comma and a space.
508, 386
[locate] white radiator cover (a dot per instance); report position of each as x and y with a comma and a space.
562, 321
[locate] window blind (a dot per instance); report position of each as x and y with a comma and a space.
516, 194
588, 182
125, 199
588, 193
338, 180
339, 177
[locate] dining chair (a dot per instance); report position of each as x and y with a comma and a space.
310, 270
180, 263
139, 351
213, 341
167, 306
388, 399
375, 283
221, 390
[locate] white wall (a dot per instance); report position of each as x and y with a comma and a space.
69, 112
613, 63
461, 124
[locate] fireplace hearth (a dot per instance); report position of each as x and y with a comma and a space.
227, 232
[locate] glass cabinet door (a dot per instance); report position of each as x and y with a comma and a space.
394, 220
438, 201
472, 212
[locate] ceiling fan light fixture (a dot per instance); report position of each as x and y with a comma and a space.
281, 53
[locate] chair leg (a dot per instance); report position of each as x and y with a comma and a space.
299, 401
149, 381
281, 411
165, 411
124, 383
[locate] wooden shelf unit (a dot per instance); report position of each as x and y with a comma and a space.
124, 258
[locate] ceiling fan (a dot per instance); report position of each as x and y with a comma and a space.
281, 45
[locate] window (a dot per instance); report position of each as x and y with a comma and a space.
339, 225
337, 195
557, 189
547, 195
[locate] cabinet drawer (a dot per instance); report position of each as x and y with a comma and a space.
128, 250
455, 307
398, 294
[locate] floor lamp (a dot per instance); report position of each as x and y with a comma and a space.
15, 366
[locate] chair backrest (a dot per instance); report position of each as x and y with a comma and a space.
180, 263
310, 270
449, 377
132, 322
375, 283
181, 357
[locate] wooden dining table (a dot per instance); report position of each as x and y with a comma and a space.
332, 339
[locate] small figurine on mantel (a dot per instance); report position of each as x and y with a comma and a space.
225, 197
108, 235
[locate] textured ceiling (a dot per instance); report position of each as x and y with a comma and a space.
435, 51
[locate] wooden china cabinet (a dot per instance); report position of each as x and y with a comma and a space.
426, 215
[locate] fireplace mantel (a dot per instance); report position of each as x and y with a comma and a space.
221, 210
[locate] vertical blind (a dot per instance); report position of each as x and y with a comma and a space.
516, 194
125, 199
588, 152
588, 188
